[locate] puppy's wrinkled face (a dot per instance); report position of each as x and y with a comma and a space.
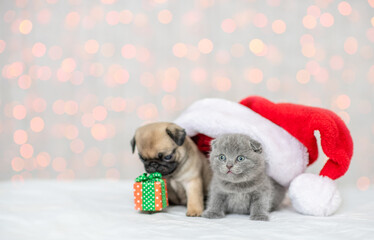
158, 147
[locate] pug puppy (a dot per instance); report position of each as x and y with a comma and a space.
164, 147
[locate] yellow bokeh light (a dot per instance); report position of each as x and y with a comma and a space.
256, 46
309, 22
25, 27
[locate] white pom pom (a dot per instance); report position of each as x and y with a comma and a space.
314, 195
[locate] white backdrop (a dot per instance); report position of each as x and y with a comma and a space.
78, 77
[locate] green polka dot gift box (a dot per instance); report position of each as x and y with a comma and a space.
150, 192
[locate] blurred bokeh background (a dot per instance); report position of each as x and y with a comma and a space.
79, 76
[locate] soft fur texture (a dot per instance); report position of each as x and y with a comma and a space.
301, 122
164, 147
285, 155
240, 184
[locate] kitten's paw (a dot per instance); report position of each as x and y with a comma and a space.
213, 215
259, 217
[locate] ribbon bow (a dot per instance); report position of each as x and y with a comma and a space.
156, 176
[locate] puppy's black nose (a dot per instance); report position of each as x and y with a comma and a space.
229, 166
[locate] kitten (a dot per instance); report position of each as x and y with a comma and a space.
240, 184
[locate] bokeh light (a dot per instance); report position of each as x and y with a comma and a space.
344, 8
73, 98
343, 101
72, 20
205, 46
326, 20
91, 46
26, 151
37, 124
260, 20
314, 11
20, 136
125, 16
24, 82
39, 49
19, 112
278, 26
180, 50
363, 183
25, 27
254, 75
309, 22
68, 65
18, 164
112, 17
256, 46
350, 45
303, 76
199, 75
222, 84
165, 16
59, 164
43, 159
228, 25
128, 51
2, 45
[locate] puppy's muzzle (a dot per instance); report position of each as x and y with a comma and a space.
165, 168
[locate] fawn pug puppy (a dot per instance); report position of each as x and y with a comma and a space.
164, 147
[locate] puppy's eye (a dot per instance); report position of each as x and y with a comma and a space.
168, 157
222, 157
240, 158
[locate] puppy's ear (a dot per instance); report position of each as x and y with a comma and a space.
256, 146
133, 143
176, 133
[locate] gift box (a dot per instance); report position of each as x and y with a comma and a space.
150, 192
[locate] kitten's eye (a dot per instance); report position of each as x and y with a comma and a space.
240, 158
222, 157
168, 157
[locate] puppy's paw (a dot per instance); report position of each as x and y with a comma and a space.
194, 212
213, 215
259, 217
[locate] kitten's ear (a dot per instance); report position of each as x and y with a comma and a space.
213, 143
256, 146
133, 143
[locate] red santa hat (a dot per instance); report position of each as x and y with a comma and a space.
286, 132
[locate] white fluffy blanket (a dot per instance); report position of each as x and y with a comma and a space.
99, 209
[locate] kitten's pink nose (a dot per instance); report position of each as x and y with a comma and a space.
229, 166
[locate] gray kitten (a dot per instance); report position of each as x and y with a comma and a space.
240, 184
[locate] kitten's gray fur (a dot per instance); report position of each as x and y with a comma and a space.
247, 189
